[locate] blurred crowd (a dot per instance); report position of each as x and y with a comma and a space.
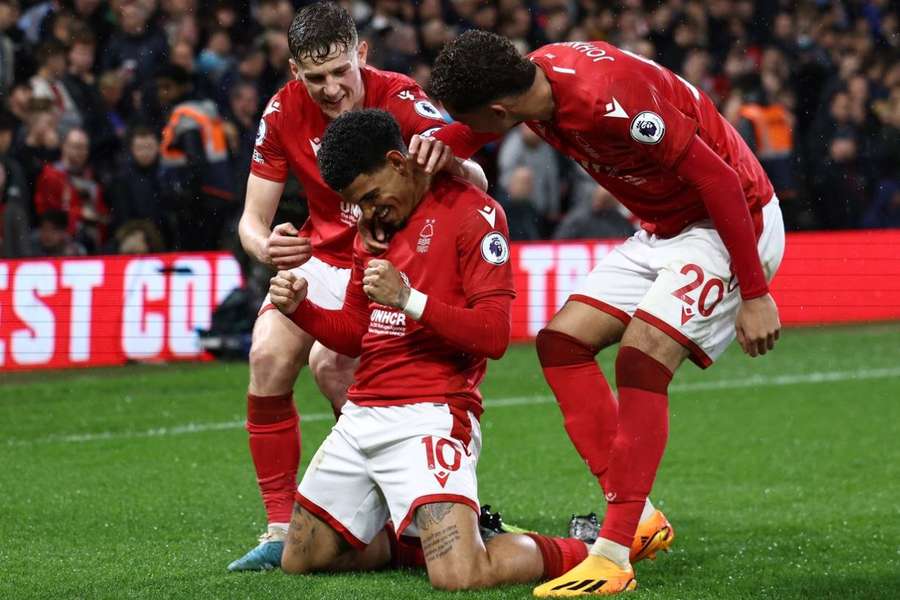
128, 126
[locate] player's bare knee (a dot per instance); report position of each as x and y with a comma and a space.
332, 372
587, 324
655, 343
271, 363
293, 564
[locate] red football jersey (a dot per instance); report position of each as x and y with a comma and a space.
454, 249
629, 121
289, 136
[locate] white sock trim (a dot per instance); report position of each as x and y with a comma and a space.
648, 510
617, 553
278, 527
415, 304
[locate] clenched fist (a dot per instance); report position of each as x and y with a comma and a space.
382, 283
287, 291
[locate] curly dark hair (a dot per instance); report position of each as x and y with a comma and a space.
477, 68
318, 28
357, 143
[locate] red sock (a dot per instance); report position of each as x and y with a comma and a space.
639, 443
406, 552
274, 428
559, 554
587, 403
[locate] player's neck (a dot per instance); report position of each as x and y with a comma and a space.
536, 104
421, 184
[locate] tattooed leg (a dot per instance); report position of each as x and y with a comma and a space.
457, 559
312, 545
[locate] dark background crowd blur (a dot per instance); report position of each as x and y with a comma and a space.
95, 93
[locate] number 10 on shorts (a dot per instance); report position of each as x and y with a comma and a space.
442, 457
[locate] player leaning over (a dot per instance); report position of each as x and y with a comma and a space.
423, 317
681, 288
331, 78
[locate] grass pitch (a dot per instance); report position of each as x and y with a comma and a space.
782, 478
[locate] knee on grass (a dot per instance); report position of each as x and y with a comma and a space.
451, 580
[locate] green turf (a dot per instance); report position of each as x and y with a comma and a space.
788, 487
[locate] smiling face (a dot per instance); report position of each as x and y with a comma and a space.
386, 197
334, 84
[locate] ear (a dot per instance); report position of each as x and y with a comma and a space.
295, 69
362, 52
397, 161
499, 111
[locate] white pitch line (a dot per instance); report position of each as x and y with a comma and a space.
721, 384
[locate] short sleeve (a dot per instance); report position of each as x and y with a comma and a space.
484, 252
269, 158
414, 112
654, 127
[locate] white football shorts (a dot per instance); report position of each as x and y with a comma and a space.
683, 285
383, 462
327, 284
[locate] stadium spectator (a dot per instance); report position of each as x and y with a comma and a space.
137, 47
93, 15
807, 56
522, 217
81, 84
52, 237
136, 193
601, 219
243, 117
766, 126
38, 142
136, 237
393, 42
522, 148
10, 44
70, 186
195, 162
47, 83
15, 198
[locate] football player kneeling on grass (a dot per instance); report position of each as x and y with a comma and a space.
423, 317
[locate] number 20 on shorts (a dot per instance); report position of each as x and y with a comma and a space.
714, 287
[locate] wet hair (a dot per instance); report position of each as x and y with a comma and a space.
357, 143
318, 29
478, 68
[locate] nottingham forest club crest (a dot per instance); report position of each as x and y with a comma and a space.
425, 236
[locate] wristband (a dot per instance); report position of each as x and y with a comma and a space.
415, 304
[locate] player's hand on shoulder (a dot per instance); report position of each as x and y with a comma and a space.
285, 249
758, 326
383, 284
287, 291
432, 155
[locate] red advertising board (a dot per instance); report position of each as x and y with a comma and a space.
57, 313
63, 312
